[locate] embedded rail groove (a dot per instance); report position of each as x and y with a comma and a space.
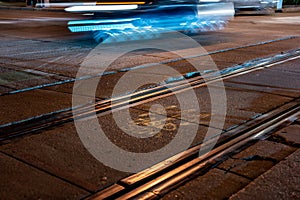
158, 180
147, 65
187, 82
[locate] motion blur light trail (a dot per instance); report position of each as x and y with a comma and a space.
117, 23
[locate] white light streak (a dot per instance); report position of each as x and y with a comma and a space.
100, 8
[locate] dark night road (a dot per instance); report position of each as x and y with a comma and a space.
39, 63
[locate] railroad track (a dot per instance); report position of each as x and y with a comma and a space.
132, 68
156, 181
194, 80
68, 163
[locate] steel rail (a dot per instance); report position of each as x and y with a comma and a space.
31, 125
157, 180
150, 65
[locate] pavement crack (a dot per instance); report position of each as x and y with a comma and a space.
244, 160
235, 173
258, 157
280, 139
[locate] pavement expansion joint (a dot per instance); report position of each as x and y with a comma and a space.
282, 140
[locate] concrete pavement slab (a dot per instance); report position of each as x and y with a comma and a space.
280, 182
257, 159
273, 48
25, 105
13, 80
291, 66
216, 184
276, 80
60, 152
290, 134
23, 181
149, 130
237, 56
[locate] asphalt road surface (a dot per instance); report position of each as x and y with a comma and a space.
40, 64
